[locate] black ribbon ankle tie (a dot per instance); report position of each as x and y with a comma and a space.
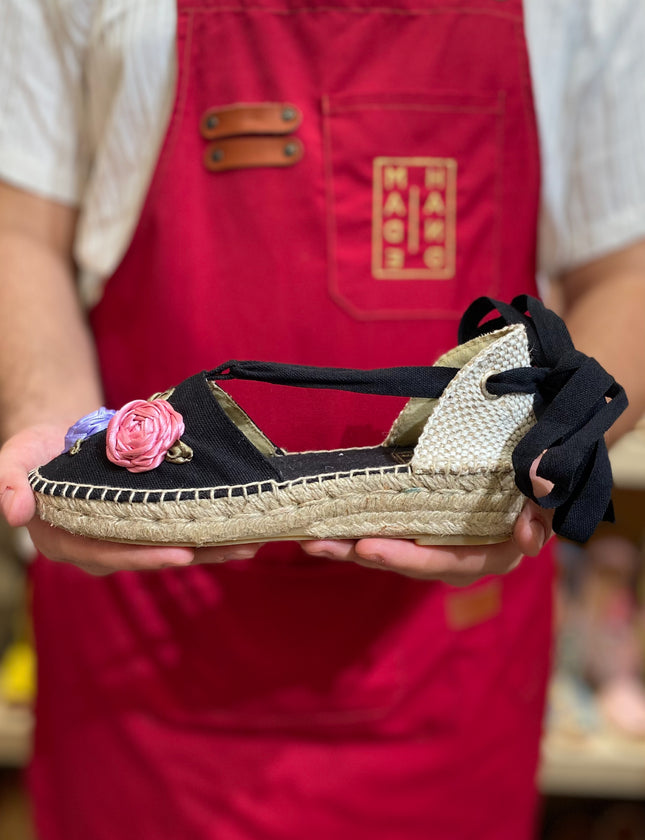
575, 402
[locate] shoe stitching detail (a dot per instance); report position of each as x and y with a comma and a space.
91, 492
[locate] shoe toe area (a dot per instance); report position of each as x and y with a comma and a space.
88, 467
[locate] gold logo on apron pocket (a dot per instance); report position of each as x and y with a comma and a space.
414, 218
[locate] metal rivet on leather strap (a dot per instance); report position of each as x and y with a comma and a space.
289, 113
212, 121
217, 155
290, 149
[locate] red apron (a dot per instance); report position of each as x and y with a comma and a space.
283, 697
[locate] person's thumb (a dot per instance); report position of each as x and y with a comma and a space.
17, 502
19, 454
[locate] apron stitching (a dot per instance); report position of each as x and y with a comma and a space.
329, 205
499, 191
357, 10
176, 117
452, 109
525, 88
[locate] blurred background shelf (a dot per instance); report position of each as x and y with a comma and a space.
601, 767
16, 724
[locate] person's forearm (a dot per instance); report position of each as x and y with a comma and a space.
604, 309
47, 362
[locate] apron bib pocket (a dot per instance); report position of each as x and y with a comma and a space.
413, 209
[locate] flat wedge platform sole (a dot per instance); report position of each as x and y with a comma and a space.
465, 509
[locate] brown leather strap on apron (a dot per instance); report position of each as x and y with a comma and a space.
248, 152
256, 118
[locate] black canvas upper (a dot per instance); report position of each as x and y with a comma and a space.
222, 454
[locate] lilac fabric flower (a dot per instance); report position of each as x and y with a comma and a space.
92, 423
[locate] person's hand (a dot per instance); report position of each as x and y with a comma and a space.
37, 445
456, 565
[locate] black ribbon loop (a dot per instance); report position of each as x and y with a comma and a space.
575, 402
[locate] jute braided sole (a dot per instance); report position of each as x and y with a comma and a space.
433, 509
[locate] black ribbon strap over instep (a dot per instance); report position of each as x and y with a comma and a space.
421, 381
575, 402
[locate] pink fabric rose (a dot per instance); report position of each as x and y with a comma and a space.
141, 433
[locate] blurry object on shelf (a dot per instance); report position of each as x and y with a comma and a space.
629, 505
573, 712
610, 625
600, 633
17, 680
583, 754
628, 458
17, 692
594, 744
622, 702
18, 674
16, 726
12, 584
595, 738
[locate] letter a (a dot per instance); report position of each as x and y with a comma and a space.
394, 205
434, 204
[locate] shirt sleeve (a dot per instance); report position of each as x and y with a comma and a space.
588, 62
42, 146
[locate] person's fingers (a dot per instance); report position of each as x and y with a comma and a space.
541, 486
100, 557
532, 529
464, 562
224, 553
330, 549
457, 565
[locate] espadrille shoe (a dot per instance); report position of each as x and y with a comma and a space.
189, 467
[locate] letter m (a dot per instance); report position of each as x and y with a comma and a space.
395, 177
